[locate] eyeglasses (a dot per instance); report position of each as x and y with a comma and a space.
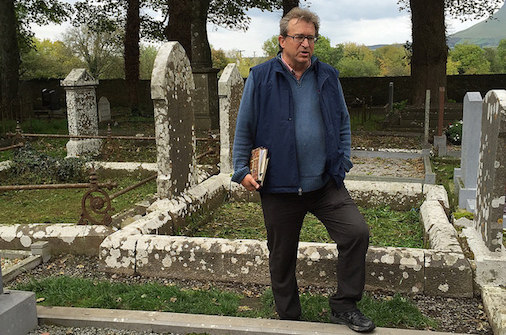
300, 38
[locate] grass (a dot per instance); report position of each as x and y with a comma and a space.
64, 206
240, 220
396, 311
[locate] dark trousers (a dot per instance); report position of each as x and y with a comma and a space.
332, 205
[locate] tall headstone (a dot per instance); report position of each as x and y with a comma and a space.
204, 75
492, 170
465, 177
230, 87
172, 90
82, 117
104, 110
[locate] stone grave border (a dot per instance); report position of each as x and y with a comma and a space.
441, 270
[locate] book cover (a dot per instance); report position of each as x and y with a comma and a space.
258, 164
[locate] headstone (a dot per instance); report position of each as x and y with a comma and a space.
427, 118
81, 112
230, 87
172, 90
391, 97
465, 177
18, 313
492, 171
104, 110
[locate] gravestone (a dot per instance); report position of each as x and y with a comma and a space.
466, 176
18, 313
491, 180
82, 118
230, 87
172, 90
104, 110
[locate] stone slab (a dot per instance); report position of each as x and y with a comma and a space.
447, 274
439, 232
18, 313
192, 323
494, 301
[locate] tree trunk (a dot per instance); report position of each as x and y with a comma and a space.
201, 50
288, 5
9, 61
131, 54
179, 26
428, 62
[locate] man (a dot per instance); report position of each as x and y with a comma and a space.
294, 106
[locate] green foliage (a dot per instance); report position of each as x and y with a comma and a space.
326, 53
454, 132
469, 59
220, 60
271, 47
48, 60
146, 61
393, 60
357, 61
34, 167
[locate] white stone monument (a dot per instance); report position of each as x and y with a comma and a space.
172, 90
81, 112
230, 87
104, 110
465, 177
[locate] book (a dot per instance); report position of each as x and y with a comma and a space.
258, 164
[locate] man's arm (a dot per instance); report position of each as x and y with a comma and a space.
245, 131
345, 131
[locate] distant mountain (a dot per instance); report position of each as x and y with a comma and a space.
485, 34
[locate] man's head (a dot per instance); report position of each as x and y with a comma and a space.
298, 30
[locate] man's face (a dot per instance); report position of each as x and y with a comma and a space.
296, 54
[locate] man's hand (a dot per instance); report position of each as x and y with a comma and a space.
250, 183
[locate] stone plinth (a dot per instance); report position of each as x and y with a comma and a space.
492, 171
82, 116
18, 313
230, 87
206, 98
172, 91
465, 177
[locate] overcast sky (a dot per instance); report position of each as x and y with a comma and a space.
366, 22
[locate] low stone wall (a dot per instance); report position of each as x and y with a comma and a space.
134, 249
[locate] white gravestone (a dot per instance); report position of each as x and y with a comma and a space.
230, 87
466, 176
172, 90
104, 110
81, 99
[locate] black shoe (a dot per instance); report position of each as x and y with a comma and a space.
355, 320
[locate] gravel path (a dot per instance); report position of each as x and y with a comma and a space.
461, 315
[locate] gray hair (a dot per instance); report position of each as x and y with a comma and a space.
299, 14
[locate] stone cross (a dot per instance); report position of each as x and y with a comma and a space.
104, 110
81, 112
466, 176
492, 170
230, 88
172, 90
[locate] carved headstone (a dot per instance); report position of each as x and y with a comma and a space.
104, 110
82, 118
172, 90
466, 176
230, 87
492, 170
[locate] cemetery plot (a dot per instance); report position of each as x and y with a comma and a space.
391, 167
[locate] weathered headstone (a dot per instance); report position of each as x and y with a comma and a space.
172, 90
465, 177
104, 110
81, 112
230, 87
492, 170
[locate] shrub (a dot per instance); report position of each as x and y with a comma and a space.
32, 166
454, 132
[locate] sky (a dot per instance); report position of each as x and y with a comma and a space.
367, 22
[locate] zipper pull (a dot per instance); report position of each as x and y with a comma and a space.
300, 190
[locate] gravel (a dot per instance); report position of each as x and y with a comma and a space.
461, 315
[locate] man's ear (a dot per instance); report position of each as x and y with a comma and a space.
282, 41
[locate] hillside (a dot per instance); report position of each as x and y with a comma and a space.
485, 34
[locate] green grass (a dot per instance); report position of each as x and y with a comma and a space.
240, 220
64, 206
396, 311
